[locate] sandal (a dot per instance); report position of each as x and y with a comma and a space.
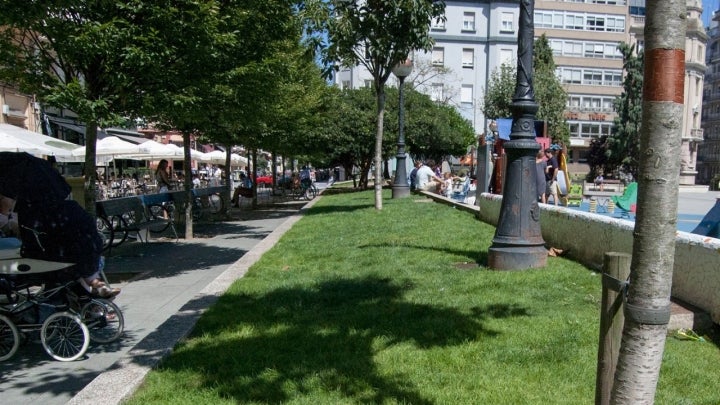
102, 290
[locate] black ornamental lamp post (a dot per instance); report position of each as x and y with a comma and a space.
518, 242
400, 187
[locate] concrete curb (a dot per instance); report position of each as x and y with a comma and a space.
127, 374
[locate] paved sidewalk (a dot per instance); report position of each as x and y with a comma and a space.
166, 286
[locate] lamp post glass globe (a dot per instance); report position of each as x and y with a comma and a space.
403, 69
400, 186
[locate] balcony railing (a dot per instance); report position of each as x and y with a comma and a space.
696, 134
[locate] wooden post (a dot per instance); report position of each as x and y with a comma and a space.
616, 270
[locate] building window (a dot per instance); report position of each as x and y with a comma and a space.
592, 77
612, 78
368, 84
466, 94
437, 92
587, 49
346, 84
507, 23
438, 56
468, 21
507, 56
579, 21
438, 24
573, 102
571, 76
468, 56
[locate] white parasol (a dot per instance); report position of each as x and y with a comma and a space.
110, 146
218, 157
16, 139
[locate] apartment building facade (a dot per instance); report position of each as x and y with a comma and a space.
478, 36
19, 109
696, 40
709, 150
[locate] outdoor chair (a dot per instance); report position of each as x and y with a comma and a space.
460, 193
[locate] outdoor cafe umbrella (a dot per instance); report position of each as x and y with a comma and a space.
29, 179
16, 139
218, 157
108, 148
194, 154
11, 144
154, 150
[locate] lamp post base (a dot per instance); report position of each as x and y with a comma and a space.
400, 191
518, 257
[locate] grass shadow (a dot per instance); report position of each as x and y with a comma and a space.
325, 335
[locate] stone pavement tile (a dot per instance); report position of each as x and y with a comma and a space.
166, 286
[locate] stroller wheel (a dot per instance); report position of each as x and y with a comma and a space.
104, 320
64, 336
9, 338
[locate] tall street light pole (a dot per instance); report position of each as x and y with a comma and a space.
518, 242
400, 186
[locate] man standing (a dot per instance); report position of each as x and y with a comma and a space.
551, 175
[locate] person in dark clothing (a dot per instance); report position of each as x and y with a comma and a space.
551, 175
64, 232
413, 175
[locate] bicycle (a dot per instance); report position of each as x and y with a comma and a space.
111, 229
306, 190
212, 202
164, 210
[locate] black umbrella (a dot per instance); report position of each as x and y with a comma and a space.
31, 180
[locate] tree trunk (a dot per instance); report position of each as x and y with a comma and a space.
90, 168
647, 309
188, 189
378, 146
254, 183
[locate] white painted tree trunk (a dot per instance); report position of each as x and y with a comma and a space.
644, 333
378, 146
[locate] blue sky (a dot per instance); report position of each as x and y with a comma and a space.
709, 7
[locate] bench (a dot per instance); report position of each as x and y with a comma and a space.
609, 186
134, 215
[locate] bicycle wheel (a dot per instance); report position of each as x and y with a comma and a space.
64, 337
119, 234
197, 209
9, 338
105, 230
215, 203
161, 216
309, 193
104, 320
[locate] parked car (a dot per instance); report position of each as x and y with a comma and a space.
264, 181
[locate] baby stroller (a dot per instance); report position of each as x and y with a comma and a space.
40, 273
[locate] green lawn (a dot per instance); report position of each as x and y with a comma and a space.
358, 306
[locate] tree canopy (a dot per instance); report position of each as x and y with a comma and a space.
433, 130
549, 93
623, 145
377, 34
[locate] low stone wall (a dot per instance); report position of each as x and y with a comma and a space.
696, 274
